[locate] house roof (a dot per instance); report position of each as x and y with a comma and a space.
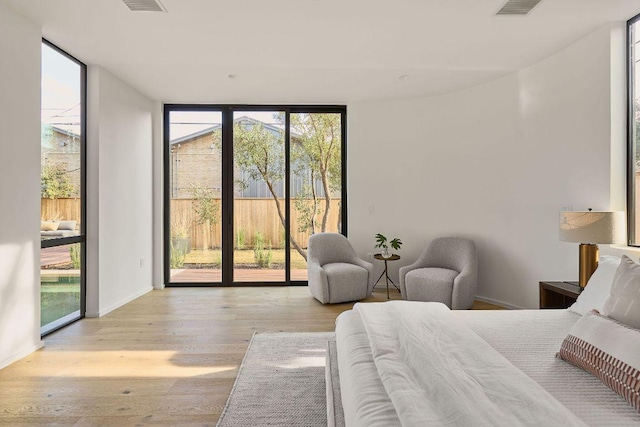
65, 132
195, 135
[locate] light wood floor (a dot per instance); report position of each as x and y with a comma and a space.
167, 358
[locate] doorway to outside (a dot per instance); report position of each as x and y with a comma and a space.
245, 187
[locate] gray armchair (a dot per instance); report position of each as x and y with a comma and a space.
336, 273
447, 272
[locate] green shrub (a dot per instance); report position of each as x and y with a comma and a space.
74, 252
217, 259
177, 257
240, 238
261, 251
55, 182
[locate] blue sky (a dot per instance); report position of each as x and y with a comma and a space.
60, 90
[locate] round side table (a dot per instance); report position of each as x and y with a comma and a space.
385, 273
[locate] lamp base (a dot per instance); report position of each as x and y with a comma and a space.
588, 262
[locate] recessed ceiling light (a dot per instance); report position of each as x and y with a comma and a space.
233, 76
403, 77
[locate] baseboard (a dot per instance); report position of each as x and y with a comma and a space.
498, 303
119, 304
6, 362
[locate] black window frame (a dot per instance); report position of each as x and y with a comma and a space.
227, 177
82, 237
631, 134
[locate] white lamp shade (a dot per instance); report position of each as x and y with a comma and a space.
592, 227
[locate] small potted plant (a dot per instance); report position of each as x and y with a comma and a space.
382, 242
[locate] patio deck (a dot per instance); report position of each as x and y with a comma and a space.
55, 256
59, 255
195, 275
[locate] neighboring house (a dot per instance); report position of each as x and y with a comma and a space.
60, 146
196, 160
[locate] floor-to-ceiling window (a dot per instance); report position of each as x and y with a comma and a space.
62, 225
245, 188
195, 195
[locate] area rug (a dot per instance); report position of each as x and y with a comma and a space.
281, 382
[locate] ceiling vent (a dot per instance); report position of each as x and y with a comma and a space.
145, 5
518, 7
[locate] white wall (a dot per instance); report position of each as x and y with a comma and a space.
119, 171
158, 200
120, 208
19, 187
495, 163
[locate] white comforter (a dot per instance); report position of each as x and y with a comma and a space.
438, 372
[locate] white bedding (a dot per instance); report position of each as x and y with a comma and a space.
529, 339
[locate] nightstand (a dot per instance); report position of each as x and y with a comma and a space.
558, 294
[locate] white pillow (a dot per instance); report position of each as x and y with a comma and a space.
598, 288
67, 225
623, 304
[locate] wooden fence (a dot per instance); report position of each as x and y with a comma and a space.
251, 216
60, 209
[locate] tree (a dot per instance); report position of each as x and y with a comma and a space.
206, 209
54, 181
259, 152
317, 152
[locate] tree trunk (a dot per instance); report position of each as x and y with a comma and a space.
327, 199
205, 235
314, 195
295, 244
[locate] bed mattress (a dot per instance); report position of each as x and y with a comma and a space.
527, 338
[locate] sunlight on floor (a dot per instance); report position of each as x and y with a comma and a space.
103, 364
305, 362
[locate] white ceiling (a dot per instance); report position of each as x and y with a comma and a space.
313, 51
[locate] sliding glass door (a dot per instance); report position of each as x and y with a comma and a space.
259, 214
245, 188
62, 179
195, 194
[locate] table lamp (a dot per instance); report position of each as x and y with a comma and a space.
590, 228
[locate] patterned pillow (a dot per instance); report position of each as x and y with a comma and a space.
608, 349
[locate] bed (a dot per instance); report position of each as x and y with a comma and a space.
511, 356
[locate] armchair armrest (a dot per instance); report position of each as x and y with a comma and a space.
367, 266
419, 263
318, 283
464, 289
